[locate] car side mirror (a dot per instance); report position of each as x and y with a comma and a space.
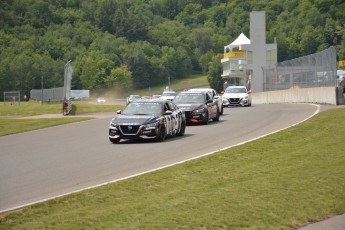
118, 112
168, 112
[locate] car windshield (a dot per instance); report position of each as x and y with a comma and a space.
235, 90
169, 94
189, 98
143, 108
201, 90
134, 96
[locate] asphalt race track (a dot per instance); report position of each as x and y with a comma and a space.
42, 164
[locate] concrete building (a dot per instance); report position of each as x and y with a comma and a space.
244, 58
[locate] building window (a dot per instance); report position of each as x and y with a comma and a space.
249, 57
271, 56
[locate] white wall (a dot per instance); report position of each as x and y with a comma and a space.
321, 95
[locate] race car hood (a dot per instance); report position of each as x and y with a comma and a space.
133, 119
189, 107
234, 95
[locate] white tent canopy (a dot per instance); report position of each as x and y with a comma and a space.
240, 40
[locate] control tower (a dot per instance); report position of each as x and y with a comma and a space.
244, 58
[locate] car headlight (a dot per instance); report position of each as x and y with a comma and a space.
114, 126
152, 125
199, 110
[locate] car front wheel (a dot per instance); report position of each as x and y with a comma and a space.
161, 134
206, 119
182, 129
217, 116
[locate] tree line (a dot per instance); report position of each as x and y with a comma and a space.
121, 44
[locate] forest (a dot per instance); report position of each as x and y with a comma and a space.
133, 44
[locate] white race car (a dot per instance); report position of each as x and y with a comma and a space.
237, 95
168, 95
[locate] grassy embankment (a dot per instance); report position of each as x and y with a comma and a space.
10, 124
280, 181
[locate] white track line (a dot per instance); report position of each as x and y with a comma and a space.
159, 168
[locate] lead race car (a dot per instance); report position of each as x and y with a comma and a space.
147, 119
237, 95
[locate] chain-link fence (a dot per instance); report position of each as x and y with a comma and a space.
315, 70
55, 94
12, 97
47, 95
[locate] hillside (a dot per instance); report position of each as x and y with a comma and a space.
139, 44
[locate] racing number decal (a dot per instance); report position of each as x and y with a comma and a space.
172, 123
168, 124
175, 122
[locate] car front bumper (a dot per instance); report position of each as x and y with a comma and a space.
192, 117
136, 132
235, 101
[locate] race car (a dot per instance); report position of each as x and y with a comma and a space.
216, 97
237, 95
199, 107
147, 119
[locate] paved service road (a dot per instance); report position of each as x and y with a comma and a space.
41, 164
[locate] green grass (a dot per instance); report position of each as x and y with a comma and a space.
29, 108
34, 108
281, 181
13, 126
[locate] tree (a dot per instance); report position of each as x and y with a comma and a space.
190, 14
120, 79
205, 59
169, 33
202, 39
215, 70
154, 39
183, 63
89, 74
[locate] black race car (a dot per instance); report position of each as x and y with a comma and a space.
147, 119
197, 106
